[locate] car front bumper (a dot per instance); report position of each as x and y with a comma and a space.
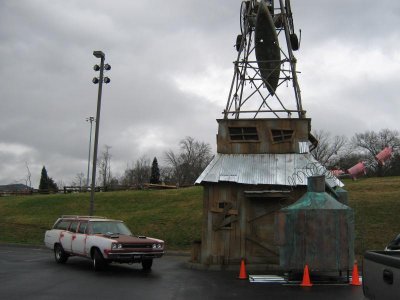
132, 256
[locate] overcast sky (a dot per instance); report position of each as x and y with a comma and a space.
171, 73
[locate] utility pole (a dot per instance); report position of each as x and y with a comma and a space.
90, 119
101, 68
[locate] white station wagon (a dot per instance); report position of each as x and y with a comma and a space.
102, 240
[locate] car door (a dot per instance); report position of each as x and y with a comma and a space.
79, 239
56, 234
66, 236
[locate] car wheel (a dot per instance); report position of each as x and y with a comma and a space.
146, 264
98, 260
59, 254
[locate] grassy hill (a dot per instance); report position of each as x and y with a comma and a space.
175, 215
376, 204
172, 215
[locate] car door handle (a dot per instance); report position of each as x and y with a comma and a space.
73, 237
388, 276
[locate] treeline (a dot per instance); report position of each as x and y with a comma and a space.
183, 167
179, 168
342, 153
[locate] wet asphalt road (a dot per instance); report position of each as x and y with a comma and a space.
31, 273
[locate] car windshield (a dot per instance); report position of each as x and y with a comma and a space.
394, 244
109, 227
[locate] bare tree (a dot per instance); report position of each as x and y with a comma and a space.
28, 175
167, 175
370, 143
188, 164
142, 171
61, 183
104, 165
128, 178
138, 173
79, 180
329, 149
373, 142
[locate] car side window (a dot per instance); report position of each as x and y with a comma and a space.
74, 226
63, 225
82, 227
97, 227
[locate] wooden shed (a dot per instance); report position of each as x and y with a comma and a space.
261, 166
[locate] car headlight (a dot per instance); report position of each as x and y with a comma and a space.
116, 246
157, 246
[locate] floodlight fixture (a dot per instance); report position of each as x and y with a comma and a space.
99, 54
107, 67
95, 80
106, 80
96, 67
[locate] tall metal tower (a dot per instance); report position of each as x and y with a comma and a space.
265, 63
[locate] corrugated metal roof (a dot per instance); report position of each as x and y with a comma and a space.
272, 169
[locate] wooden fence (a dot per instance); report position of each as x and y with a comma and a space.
84, 189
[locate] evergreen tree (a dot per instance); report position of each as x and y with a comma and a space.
52, 185
155, 172
47, 183
44, 180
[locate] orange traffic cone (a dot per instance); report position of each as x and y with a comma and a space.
355, 279
306, 277
242, 274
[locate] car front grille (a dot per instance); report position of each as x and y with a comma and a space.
137, 246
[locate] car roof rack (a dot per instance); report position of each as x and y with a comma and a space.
83, 217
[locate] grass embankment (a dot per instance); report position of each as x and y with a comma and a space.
175, 215
172, 215
376, 204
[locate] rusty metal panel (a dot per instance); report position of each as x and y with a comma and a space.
316, 230
272, 169
320, 238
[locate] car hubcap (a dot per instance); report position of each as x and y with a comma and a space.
58, 253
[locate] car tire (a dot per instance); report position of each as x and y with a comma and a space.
59, 254
98, 260
146, 264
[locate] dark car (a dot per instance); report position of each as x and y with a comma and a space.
394, 245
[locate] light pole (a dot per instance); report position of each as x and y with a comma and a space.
101, 68
90, 119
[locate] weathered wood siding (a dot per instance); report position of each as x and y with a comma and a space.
265, 143
237, 225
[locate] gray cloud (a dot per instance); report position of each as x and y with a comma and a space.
171, 71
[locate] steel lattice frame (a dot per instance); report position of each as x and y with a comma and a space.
248, 94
